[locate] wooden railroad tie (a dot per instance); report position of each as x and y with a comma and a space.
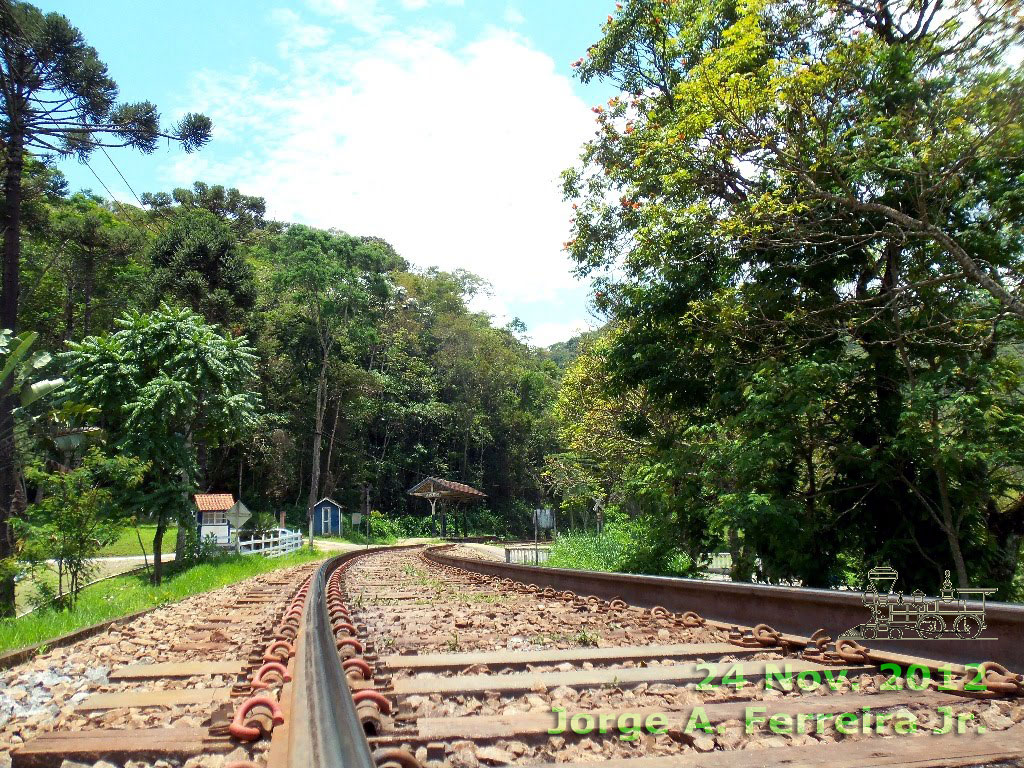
917, 751
171, 697
441, 661
533, 723
89, 746
177, 669
680, 673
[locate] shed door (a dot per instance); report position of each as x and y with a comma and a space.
325, 520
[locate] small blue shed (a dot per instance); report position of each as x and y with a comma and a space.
327, 518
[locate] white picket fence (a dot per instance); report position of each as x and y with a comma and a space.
527, 554
279, 541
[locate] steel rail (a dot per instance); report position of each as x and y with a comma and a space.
325, 731
795, 610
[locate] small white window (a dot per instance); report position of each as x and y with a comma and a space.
326, 520
215, 517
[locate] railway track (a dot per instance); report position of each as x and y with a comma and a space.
399, 658
480, 670
161, 690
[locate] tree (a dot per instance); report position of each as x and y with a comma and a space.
596, 450
815, 209
56, 97
19, 375
81, 512
197, 260
333, 280
92, 247
164, 381
244, 213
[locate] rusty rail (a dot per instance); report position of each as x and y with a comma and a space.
796, 610
325, 728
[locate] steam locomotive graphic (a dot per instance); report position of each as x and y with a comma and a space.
894, 618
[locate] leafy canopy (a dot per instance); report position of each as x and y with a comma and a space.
56, 95
163, 381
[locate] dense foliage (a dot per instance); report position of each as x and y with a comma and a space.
805, 223
278, 362
56, 98
80, 512
218, 350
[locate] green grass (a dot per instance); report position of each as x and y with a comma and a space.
128, 594
586, 551
626, 548
128, 543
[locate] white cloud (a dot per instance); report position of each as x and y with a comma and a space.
362, 14
513, 16
415, 5
546, 334
451, 154
296, 34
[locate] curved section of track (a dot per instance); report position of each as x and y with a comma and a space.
399, 658
326, 729
471, 669
789, 609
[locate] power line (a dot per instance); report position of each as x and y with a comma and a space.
107, 155
163, 214
117, 202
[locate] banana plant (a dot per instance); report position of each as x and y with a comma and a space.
66, 431
20, 366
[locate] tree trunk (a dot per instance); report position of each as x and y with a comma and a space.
158, 542
951, 529
298, 495
9, 319
69, 309
145, 559
12, 234
318, 433
8, 481
203, 458
330, 442
88, 287
180, 541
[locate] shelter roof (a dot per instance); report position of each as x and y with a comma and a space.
436, 488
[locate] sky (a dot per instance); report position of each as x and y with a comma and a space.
440, 125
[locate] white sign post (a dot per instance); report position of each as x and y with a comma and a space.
237, 516
545, 520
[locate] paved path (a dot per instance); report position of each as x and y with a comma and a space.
165, 557
489, 551
325, 545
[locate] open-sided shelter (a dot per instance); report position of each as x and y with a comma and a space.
434, 489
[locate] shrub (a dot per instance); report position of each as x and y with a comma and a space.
626, 545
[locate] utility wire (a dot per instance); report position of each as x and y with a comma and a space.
162, 213
118, 203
